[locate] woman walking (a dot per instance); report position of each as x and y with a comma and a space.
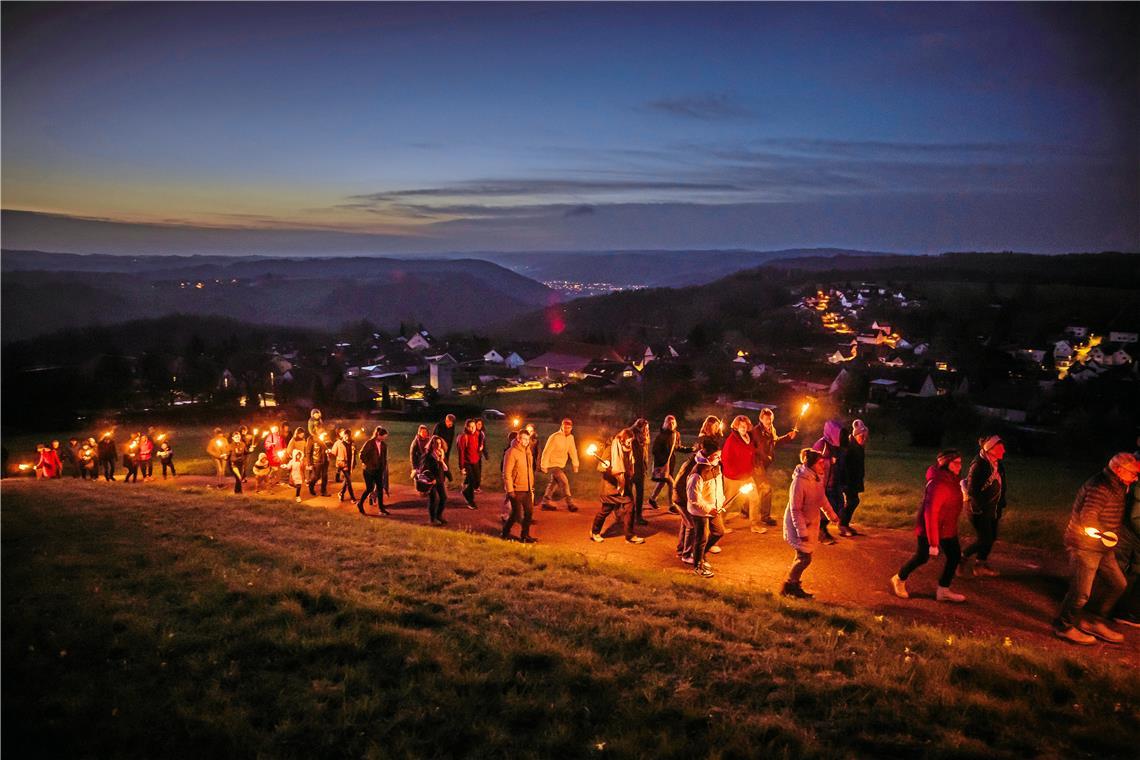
937, 527
640, 452
665, 447
433, 472
736, 465
806, 500
374, 466
985, 488
345, 457
235, 460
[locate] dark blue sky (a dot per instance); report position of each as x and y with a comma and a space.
422, 127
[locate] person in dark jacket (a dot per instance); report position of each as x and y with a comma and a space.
617, 488
434, 468
131, 460
445, 430
317, 459
1093, 529
854, 474
108, 453
374, 466
765, 437
985, 487
70, 456
418, 451
640, 451
665, 448
235, 460
344, 460
937, 526
830, 445
470, 462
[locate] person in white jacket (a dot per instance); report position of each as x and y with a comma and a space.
806, 498
560, 450
705, 503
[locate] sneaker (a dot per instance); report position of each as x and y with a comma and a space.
596, 538
548, 507
983, 570
827, 539
1129, 620
1101, 631
757, 529
571, 508
944, 594
714, 549
688, 560
1074, 635
652, 504
471, 506
528, 540
707, 565
846, 532
898, 585
673, 509
769, 521
635, 540
702, 572
298, 499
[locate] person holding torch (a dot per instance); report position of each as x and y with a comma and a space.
766, 439
1090, 538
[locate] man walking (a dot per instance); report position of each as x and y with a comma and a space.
374, 466
560, 448
470, 461
1093, 529
518, 482
766, 439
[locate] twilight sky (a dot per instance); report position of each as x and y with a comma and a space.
427, 127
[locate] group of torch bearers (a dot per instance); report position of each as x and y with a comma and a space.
725, 470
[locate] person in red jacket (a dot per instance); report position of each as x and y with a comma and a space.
736, 466
937, 526
48, 465
470, 446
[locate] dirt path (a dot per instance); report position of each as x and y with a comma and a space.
854, 573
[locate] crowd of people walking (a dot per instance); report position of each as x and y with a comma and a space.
720, 475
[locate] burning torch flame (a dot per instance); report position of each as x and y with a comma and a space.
592, 450
323, 436
134, 444
358, 433
255, 431
161, 437
516, 421
1108, 538
804, 408
747, 488
25, 467
273, 430
264, 433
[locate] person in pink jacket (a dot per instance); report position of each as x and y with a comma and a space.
937, 526
806, 499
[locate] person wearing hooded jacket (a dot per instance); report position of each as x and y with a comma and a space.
830, 445
936, 526
854, 475
108, 454
704, 501
806, 502
985, 486
617, 488
316, 425
1090, 537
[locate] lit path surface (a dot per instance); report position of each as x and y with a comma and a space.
854, 573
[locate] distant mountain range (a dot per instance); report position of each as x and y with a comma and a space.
43, 292
651, 269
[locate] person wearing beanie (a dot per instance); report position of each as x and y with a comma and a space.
704, 500
831, 445
985, 487
1090, 537
854, 473
261, 470
937, 526
806, 500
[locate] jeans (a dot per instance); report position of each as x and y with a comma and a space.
522, 510
706, 532
950, 549
168, 464
373, 483
763, 495
108, 466
1129, 604
147, 467
319, 475
638, 494
1084, 568
835, 499
685, 535
346, 487
558, 484
235, 472
625, 510
803, 559
471, 481
437, 498
666, 484
987, 527
849, 508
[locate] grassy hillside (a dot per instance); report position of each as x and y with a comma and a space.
191, 627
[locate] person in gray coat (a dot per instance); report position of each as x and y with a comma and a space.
806, 498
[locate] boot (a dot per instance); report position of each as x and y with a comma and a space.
794, 590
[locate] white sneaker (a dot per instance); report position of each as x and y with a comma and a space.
596, 538
898, 585
943, 594
714, 550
